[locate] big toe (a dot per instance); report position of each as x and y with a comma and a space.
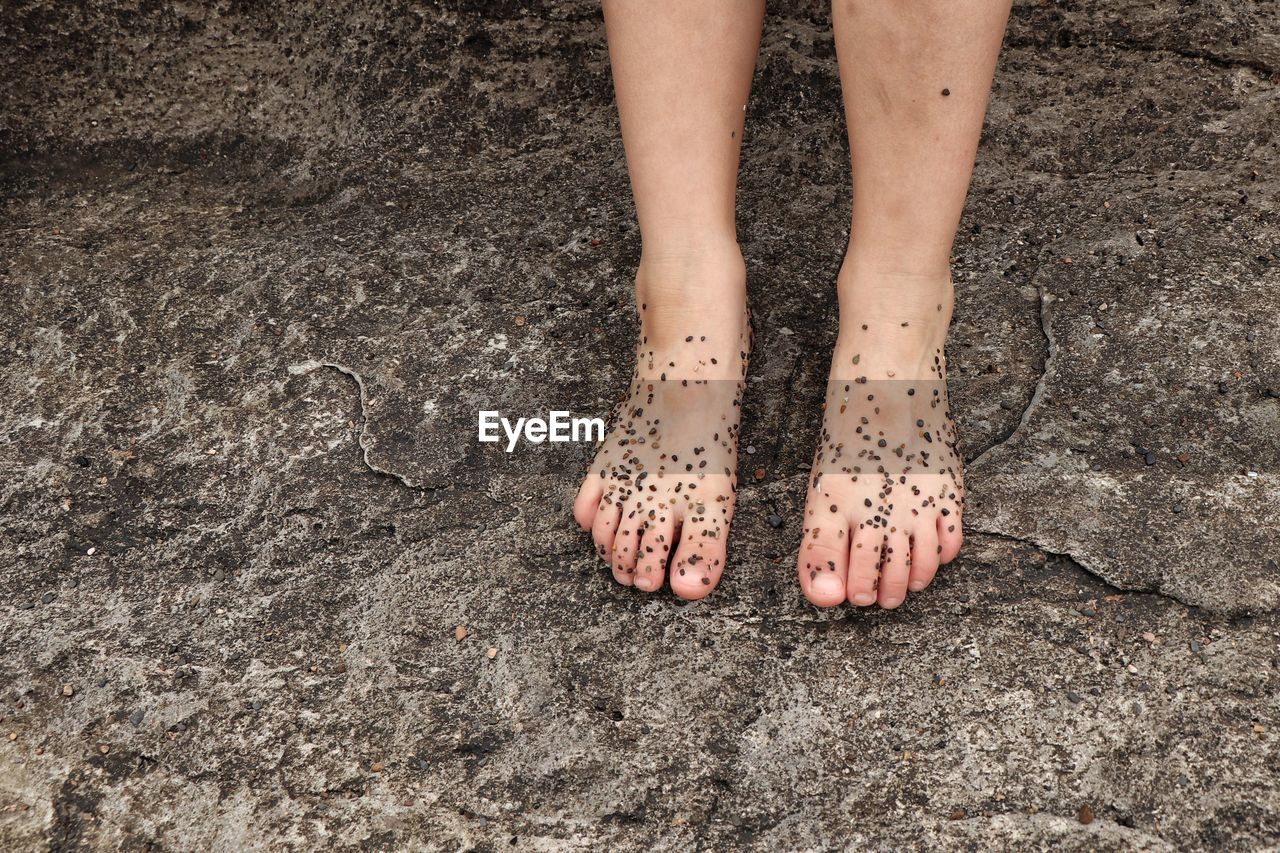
698, 562
823, 562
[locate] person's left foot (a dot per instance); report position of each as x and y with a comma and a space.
886, 492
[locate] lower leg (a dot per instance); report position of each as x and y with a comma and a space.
661, 487
887, 491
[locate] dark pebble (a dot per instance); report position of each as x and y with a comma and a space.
26, 605
775, 521
219, 575
1088, 611
1073, 697
136, 717
1250, 336
73, 583
1178, 507
47, 598
1137, 708
1149, 458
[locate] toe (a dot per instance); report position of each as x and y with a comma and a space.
924, 556
626, 544
655, 548
698, 563
950, 534
864, 566
823, 562
588, 500
605, 525
895, 569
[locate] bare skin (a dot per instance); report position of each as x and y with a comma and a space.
915, 77
660, 494
886, 495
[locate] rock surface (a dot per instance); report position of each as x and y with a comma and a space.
260, 270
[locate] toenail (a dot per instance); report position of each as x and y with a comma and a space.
826, 583
864, 598
892, 602
917, 586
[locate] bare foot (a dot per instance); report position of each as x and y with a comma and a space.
886, 492
660, 493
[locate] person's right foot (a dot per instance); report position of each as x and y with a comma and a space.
661, 488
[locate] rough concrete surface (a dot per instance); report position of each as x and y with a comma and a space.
260, 264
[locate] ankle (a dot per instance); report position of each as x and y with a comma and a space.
882, 295
692, 293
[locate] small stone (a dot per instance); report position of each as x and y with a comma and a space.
47, 598
1137, 709
751, 449
378, 766
68, 690
775, 521
219, 575
1088, 612
137, 716
759, 473
26, 605
1073, 697
1177, 508
1085, 815
104, 748
957, 814
1149, 458
491, 652
460, 633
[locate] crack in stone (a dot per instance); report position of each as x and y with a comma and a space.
361, 435
1260, 68
1077, 562
1051, 351
1078, 39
